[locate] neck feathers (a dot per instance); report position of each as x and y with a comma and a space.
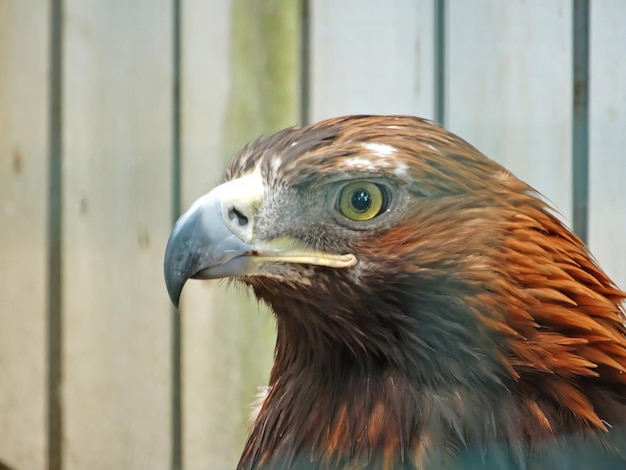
362, 421
385, 422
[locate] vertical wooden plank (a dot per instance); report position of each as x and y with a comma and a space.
117, 141
607, 204
24, 47
239, 80
510, 88
211, 414
372, 57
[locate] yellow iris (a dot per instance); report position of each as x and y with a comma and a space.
360, 200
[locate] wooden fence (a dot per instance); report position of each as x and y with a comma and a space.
115, 115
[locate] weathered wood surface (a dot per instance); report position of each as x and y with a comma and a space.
24, 123
117, 139
371, 57
509, 89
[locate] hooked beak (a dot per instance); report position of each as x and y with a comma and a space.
215, 239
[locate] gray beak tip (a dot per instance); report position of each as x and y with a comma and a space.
174, 291
174, 281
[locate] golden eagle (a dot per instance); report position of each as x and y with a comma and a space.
431, 310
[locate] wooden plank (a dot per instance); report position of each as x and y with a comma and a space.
509, 88
239, 79
607, 203
117, 213
372, 57
211, 414
24, 46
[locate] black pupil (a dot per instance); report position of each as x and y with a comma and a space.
361, 200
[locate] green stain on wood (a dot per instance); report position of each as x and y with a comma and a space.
265, 46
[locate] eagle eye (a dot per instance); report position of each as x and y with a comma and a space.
362, 200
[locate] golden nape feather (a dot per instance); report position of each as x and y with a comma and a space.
431, 310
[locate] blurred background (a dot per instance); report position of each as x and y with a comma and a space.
115, 115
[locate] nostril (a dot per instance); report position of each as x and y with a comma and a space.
236, 216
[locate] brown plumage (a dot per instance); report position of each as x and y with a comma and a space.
461, 326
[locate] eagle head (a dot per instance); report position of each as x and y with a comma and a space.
428, 303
